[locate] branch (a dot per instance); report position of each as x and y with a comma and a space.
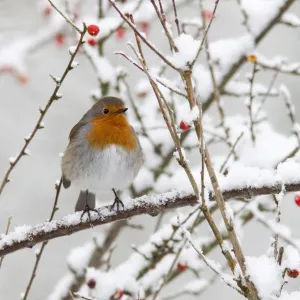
28, 236
39, 253
142, 37
39, 124
241, 60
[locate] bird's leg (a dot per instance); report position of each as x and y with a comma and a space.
87, 209
117, 201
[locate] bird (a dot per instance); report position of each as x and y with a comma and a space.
104, 153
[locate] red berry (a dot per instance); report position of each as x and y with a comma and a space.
75, 15
60, 39
292, 273
145, 28
181, 267
120, 33
92, 42
118, 294
6, 69
297, 200
47, 11
93, 30
142, 94
207, 14
91, 283
23, 78
184, 126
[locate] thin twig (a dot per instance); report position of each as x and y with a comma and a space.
39, 253
157, 79
206, 260
205, 33
231, 152
168, 275
142, 37
95, 259
245, 16
239, 62
250, 104
6, 232
162, 20
67, 18
214, 82
176, 17
43, 111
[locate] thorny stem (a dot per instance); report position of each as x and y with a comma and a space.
228, 222
6, 232
176, 17
157, 79
40, 252
235, 66
98, 253
214, 82
245, 16
204, 207
168, 275
206, 261
277, 220
68, 20
43, 111
205, 34
267, 94
210, 245
250, 105
229, 226
170, 122
141, 36
292, 116
162, 20
139, 117
231, 152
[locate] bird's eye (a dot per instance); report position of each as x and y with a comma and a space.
105, 111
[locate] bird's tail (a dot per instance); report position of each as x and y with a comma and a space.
85, 198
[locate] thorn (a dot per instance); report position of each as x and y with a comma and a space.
55, 79
57, 96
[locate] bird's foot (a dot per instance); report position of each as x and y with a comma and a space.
117, 203
87, 210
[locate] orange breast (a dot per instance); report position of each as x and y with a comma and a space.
111, 131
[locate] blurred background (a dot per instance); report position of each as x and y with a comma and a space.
29, 197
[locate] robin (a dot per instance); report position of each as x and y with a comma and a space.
103, 153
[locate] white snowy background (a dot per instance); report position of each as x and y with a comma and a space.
29, 196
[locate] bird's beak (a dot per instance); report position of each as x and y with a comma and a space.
121, 111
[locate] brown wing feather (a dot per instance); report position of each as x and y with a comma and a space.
75, 129
72, 135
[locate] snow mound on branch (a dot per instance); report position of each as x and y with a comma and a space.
266, 275
187, 47
292, 296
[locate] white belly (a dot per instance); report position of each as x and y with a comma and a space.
110, 168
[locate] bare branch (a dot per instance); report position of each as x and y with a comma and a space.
39, 253
205, 33
176, 17
43, 111
142, 37
68, 20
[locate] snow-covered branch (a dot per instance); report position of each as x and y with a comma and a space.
28, 236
